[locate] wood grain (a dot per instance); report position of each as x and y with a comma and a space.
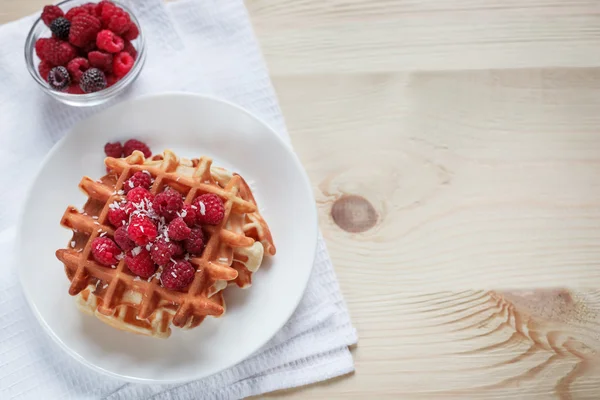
472, 130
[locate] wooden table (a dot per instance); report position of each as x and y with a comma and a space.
454, 149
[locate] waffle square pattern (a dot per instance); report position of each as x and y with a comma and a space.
234, 248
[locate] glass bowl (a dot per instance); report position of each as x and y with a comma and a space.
39, 30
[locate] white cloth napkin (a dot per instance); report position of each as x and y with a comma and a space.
204, 46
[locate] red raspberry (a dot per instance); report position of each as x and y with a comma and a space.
108, 41
111, 80
90, 7
195, 243
168, 204
210, 209
162, 251
44, 69
77, 67
105, 251
100, 6
132, 32
74, 88
75, 11
100, 60
139, 179
50, 13
114, 150
138, 194
189, 214
139, 262
122, 64
117, 217
177, 276
123, 240
115, 19
129, 48
54, 51
84, 28
142, 230
178, 230
132, 144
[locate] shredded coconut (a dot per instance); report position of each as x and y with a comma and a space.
73, 243
105, 286
137, 278
120, 256
136, 250
202, 208
146, 172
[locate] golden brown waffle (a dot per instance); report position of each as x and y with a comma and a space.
121, 299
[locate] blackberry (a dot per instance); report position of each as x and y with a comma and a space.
58, 78
92, 80
60, 27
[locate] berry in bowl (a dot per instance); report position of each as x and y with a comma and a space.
83, 53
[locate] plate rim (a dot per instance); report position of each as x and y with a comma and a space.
60, 143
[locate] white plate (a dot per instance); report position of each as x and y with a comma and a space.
190, 125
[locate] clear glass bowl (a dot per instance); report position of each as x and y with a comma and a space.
39, 30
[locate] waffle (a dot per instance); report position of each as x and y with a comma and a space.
117, 297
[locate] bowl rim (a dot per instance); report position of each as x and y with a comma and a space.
102, 94
285, 146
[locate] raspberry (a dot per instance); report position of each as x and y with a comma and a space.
108, 41
44, 69
162, 251
210, 209
178, 230
114, 150
77, 67
129, 48
59, 79
50, 13
138, 194
105, 251
132, 32
177, 276
139, 262
117, 217
60, 28
75, 11
115, 19
55, 51
195, 243
90, 8
84, 28
122, 64
189, 214
168, 203
74, 88
123, 240
101, 60
139, 179
100, 6
132, 144
142, 230
92, 80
